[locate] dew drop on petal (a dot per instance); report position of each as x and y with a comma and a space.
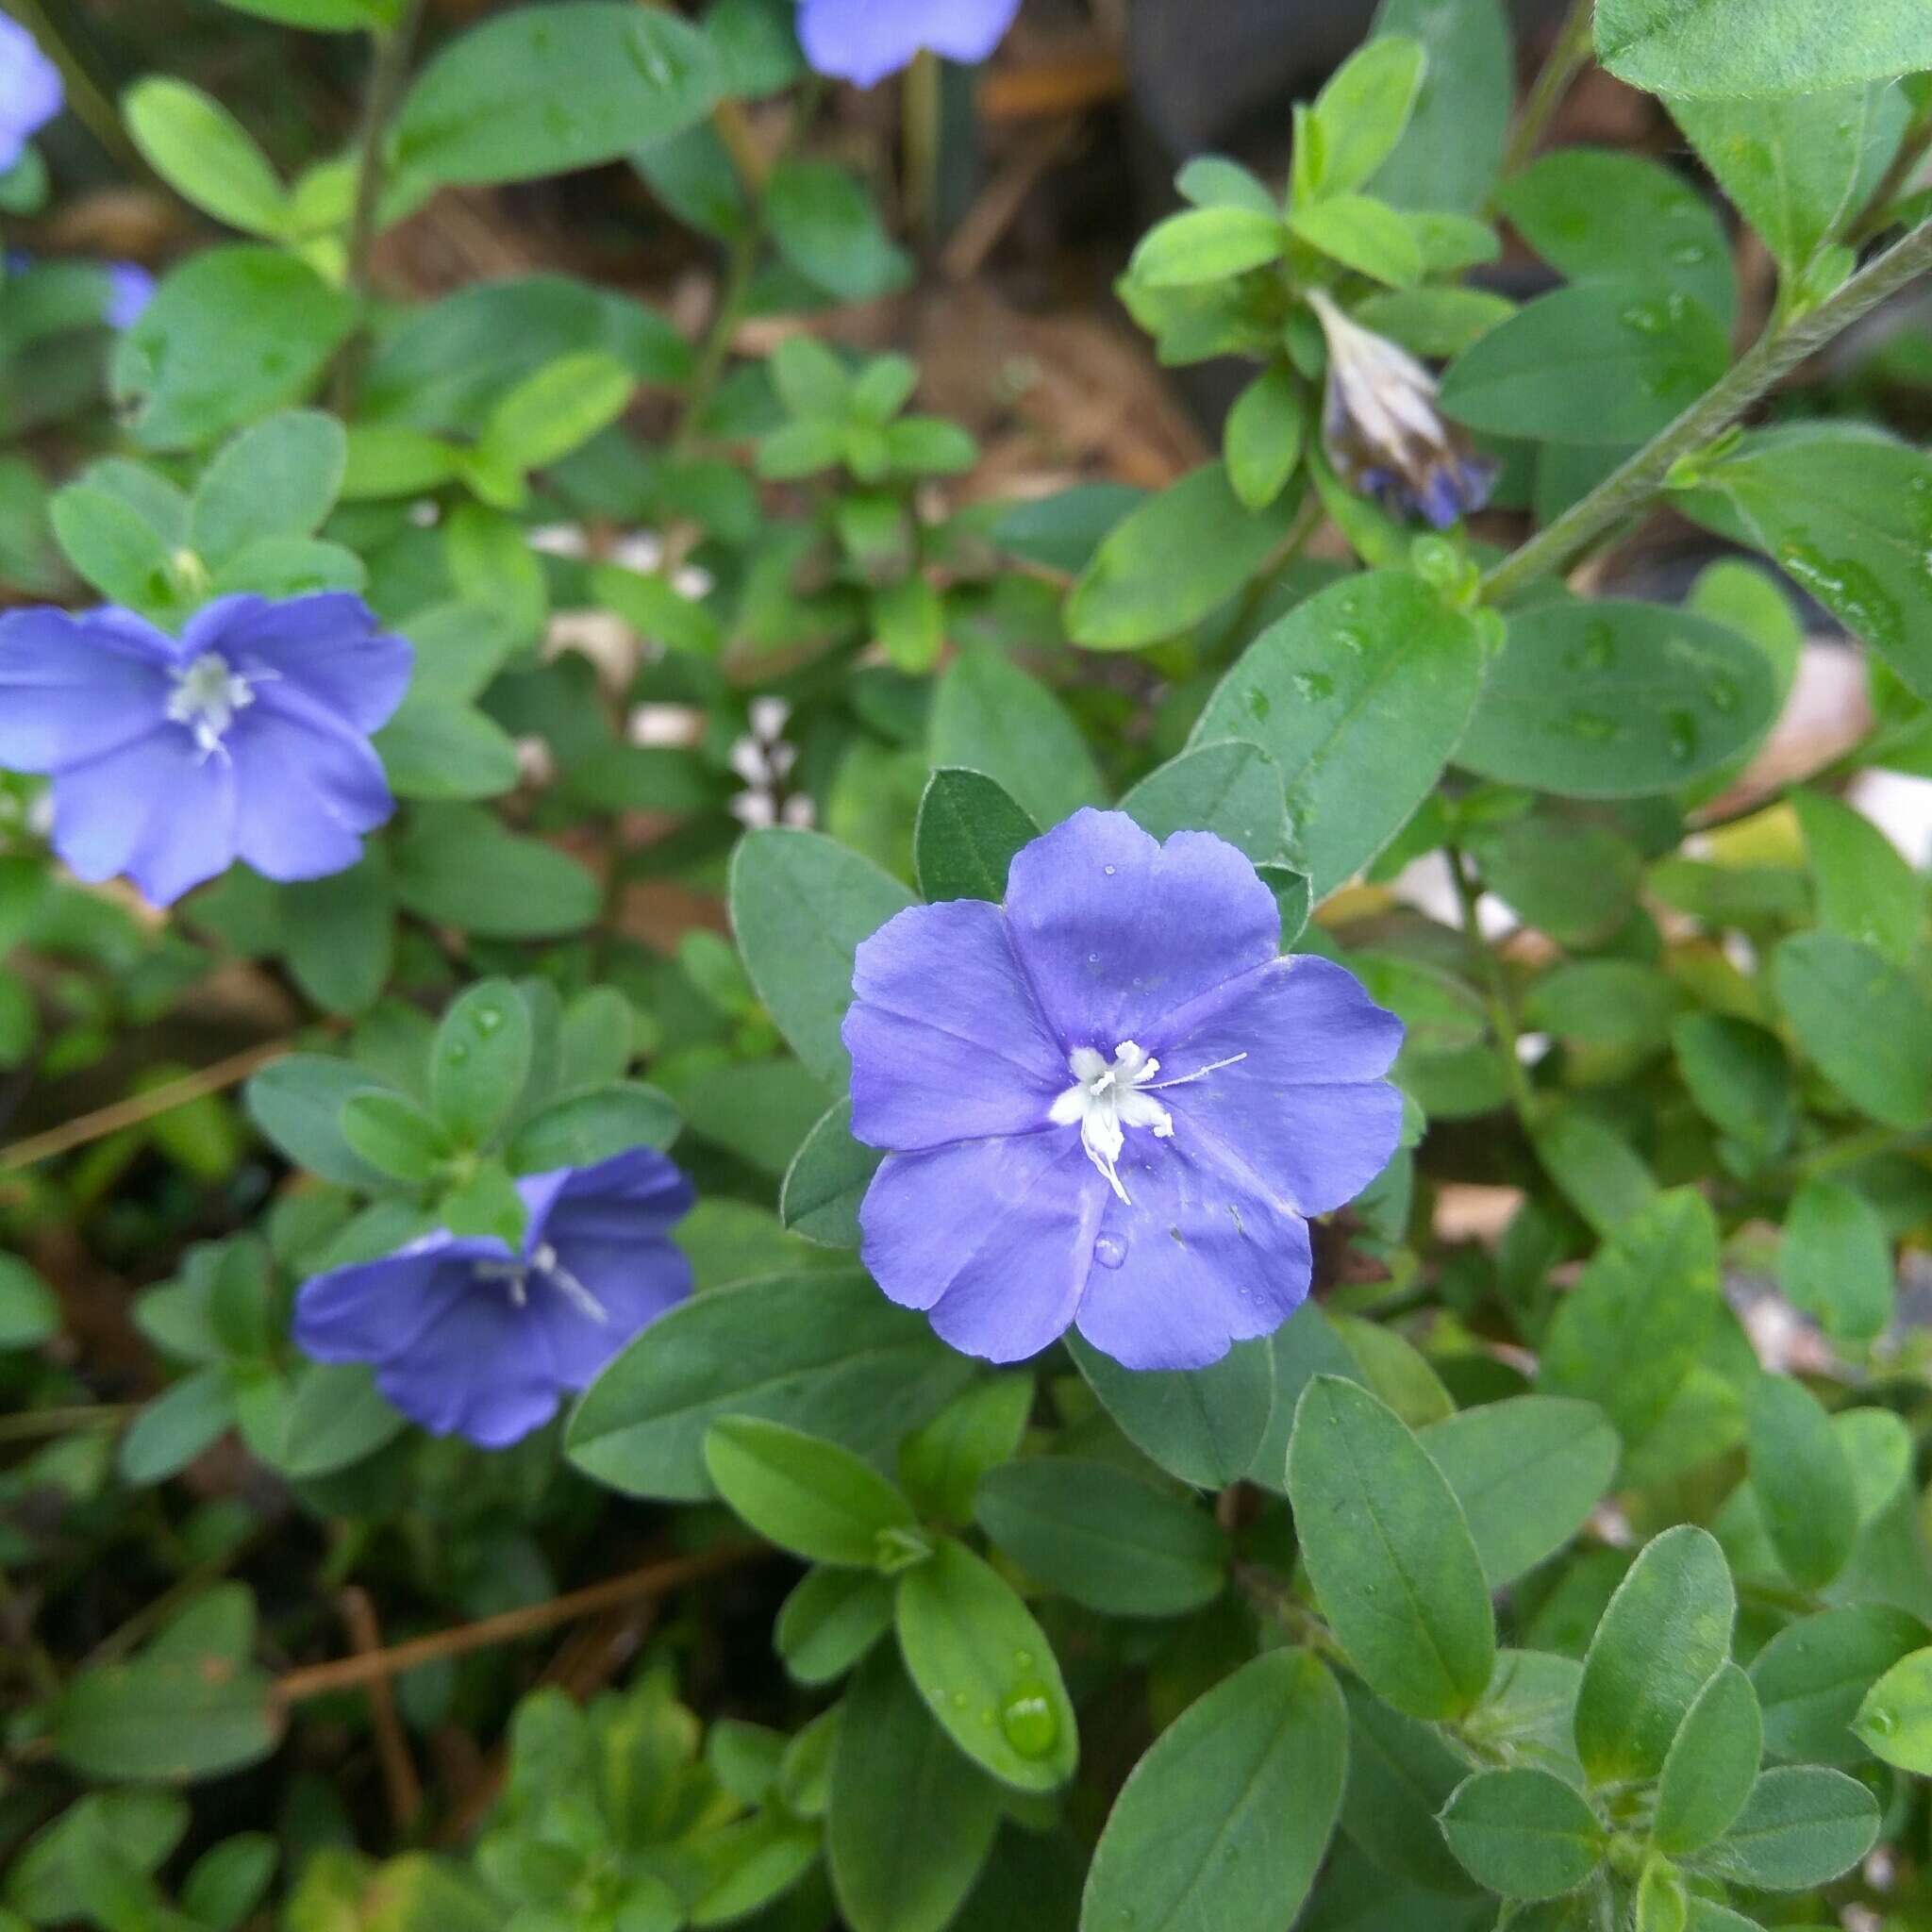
1110, 1250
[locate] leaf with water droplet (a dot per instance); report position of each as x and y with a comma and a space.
480, 1060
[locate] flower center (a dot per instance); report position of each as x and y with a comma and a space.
206, 697
544, 1267
1110, 1096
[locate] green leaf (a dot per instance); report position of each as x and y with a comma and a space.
556, 409
966, 835
1363, 109
340, 936
1895, 1717
1448, 156
1603, 362
1610, 1003
1527, 1470
297, 1103
1524, 1833
800, 906
1400, 1775
827, 1180
1636, 1324
1171, 561
433, 749
1107, 1540
1814, 1676
1207, 245
1799, 168
1360, 695
988, 716
1865, 1024
1597, 215
480, 1060
1203, 1426
1803, 1482
165, 1719
823, 1351
1363, 234
1712, 1764
456, 865
545, 90
1866, 890
117, 550
1803, 1826
1725, 48
393, 1135
589, 1127
892, 1762
1214, 181
1390, 1553
831, 1620
231, 1879
1614, 699
172, 1430
805, 1494
985, 1669
325, 16
1231, 790
202, 152
825, 226
278, 478
329, 1416
1738, 1074
1223, 1823
146, 1826
29, 1312
982, 1427
231, 334
1662, 1637
1265, 433
1845, 513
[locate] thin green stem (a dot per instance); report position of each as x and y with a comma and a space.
1897, 177
90, 101
54, 1422
733, 298
1308, 521
1855, 1147
389, 73
923, 113
1489, 969
1569, 54
1774, 355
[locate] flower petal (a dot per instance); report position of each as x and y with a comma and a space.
1203, 1258
947, 1042
73, 688
373, 1310
155, 809
1305, 1107
863, 40
995, 1237
310, 787
480, 1368
1116, 931
329, 646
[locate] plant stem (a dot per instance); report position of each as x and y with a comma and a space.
924, 113
388, 74
1569, 54
53, 1422
352, 1672
1904, 164
732, 297
91, 106
1773, 355
1489, 968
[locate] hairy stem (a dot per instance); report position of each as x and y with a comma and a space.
1773, 357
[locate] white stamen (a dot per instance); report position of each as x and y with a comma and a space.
546, 1268
1108, 1097
206, 698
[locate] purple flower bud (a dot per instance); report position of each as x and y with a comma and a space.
1383, 434
130, 288
863, 40
30, 91
1123, 1109
473, 1339
248, 737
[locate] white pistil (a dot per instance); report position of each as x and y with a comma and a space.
1108, 1097
206, 698
545, 1267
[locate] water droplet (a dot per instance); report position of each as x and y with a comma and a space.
1682, 729
1598, 649
1881, 1721
1688, 254
456, 1053
959, 1700
1643, 317
1350, 606
1350, 641
488, 1019
1109, 870
1093, 959
1022, 1659
1848, 590
1311, 686
1028, 1721
1110, 1250
1721, 693
1258, 705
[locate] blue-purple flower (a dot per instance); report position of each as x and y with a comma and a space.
473, 1339
863, 40
30, 91
1110, 1103
248, 737
1383, 434
130, 288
